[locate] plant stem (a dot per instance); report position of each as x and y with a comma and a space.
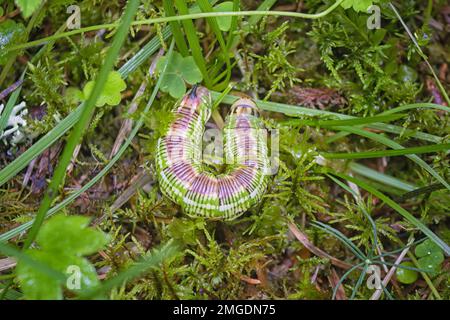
181, 18
83, 122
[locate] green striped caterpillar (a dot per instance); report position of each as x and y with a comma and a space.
183, 177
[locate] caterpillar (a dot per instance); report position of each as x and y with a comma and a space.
183, 177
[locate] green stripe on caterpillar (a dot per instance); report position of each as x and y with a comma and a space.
183, 177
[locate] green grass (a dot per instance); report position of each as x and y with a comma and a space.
82, 123
299, 192
388, 153
183, 17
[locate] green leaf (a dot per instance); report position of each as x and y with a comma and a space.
73, 95
39, 286
191, 73
28, 6
224, 22
430, 255
426, 248
431, 263
181, 70
406, 276
11, 33
111, 93
174, 85
35, 284
70, 234
358, 5
63, 241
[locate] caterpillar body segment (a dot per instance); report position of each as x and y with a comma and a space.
186, 181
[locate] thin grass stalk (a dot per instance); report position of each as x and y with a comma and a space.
68, 122
183, 17
413, 220
176, 29
194, 42
83, 122
387, 153
24, 227
394, 145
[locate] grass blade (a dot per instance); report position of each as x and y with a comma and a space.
291, 110
64, 125
394, 145
194, 42
6, 113
381, 177
339, 235
346, 122
387, 153
24, 227
205, 6
176, 29
408, 216
416, 106
83, 122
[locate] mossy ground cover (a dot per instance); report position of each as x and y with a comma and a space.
357, 91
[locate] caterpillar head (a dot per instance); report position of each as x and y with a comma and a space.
197, 99
244, 106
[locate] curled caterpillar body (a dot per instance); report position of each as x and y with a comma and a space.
184, 179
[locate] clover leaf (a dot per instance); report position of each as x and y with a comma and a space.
11, 33
224, 22
430, 256
63, 241
179, 71
73, 95
406, 276
28, 6
358, 5
111, 93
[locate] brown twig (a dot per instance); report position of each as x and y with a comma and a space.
377, 294
318, 252
10, 89
12, 14
333, 278
7, 263
138, 181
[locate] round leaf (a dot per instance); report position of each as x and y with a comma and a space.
224, 22
406, 276
11, 33
191, 73
176, 85
111, 93
70, 234
431, 263
426, 248
28, 6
